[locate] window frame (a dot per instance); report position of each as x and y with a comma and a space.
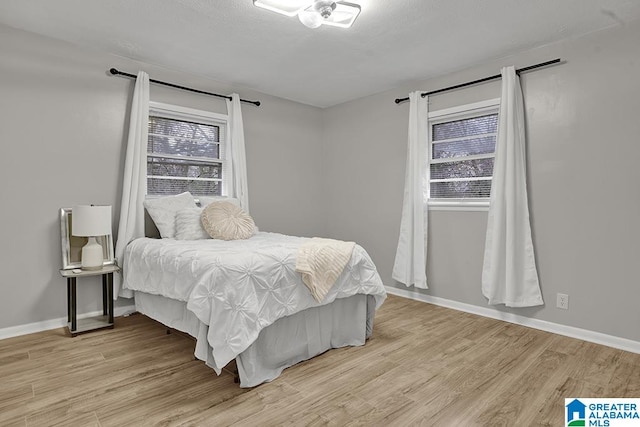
461, 112
177, 112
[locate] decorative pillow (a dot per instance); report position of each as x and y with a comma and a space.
226, 221
189, 226
204, 201
163, 211
207, 200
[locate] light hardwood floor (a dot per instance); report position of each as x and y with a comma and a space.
424, 365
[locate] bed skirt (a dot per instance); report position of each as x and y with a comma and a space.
289, 340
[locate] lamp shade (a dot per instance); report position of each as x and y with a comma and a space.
91, 220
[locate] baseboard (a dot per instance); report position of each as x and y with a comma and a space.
46, 325
543, 325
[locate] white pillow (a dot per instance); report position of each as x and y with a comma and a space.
226, 221
163, 211
207, 200
189, 226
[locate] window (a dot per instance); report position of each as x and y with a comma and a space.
185, 151
462, 143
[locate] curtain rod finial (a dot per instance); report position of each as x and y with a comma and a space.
113, 71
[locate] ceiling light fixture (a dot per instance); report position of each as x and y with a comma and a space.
316, 12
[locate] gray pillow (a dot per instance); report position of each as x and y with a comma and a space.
189, 225
163, 211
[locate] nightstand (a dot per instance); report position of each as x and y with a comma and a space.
77, 326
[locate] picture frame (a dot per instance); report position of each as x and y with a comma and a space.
72, 245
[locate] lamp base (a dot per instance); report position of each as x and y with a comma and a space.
92, 255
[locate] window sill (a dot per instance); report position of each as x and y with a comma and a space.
458, 205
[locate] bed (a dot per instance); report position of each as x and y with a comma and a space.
243, 300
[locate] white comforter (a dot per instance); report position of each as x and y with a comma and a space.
238, 287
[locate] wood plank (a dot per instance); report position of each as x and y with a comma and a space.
528, 390
63, 417
552, 409
424, 365
16, 422
257, 403
12, 396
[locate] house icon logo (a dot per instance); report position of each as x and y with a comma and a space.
576, 413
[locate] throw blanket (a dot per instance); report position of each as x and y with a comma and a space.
320, 262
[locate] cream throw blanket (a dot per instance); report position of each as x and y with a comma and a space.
320, 262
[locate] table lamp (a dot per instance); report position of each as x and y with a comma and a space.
91, 221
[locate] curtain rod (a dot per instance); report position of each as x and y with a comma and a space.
114, 72
486, 79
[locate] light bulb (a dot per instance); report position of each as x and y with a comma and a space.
324, 7
310, 18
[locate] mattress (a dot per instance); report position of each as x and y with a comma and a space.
240, 286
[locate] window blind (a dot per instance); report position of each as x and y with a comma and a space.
461, 157
184, 156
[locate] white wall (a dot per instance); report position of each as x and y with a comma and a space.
63, 122
583, 166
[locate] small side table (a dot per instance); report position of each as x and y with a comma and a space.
77, 326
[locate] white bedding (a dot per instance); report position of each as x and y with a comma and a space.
290, 340
238, 287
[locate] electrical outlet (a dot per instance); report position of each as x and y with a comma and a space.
563, 301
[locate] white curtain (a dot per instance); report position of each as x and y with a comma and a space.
509, 274
410, 265
134, 185
237, 185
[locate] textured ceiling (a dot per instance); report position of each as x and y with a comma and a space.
393, 42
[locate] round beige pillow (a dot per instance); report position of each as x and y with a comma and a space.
226, 221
